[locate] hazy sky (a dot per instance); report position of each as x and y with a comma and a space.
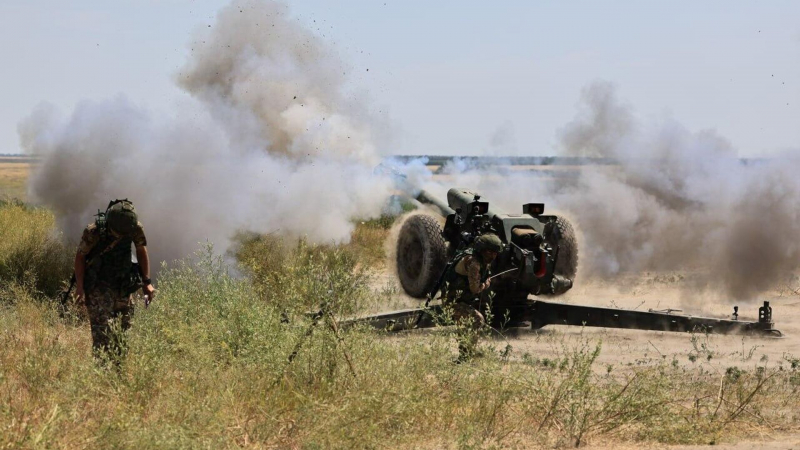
450, 77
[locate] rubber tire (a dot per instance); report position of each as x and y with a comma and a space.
421, 255
567, 264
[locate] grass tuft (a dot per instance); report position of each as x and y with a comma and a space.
32, 253
208, 367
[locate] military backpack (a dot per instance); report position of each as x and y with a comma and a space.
110, 261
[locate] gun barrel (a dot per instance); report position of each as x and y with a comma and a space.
461, 197
429, 199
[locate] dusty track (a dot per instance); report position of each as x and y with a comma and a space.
777, 442
624, 349
660, 291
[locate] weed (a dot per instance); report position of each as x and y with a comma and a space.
208, 366
32, 253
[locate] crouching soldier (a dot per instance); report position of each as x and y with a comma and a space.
106, 276
467, 277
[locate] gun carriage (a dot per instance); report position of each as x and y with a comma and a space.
539, 260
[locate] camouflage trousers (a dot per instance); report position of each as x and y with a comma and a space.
110, 316
466, 315
469, 324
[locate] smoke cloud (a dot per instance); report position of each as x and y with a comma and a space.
674, 200
679, 200
272, 141
269, 142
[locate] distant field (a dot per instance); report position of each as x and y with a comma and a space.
14, 171
13, 179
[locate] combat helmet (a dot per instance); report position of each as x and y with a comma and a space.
121, 217
489, 241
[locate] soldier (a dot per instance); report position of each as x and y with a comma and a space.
466, 279
105, 275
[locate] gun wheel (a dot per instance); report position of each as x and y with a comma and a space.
567, 263
421, 255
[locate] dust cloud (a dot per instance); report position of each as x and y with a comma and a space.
674, 200
270, 141
680, 200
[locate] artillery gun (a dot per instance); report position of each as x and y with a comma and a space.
540, 255
539, 259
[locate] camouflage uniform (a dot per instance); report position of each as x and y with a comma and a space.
107, 284
464, 281
463, 289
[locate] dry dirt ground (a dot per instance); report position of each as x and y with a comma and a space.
644, 291
657, 291
662, 291
623, 349
779, 442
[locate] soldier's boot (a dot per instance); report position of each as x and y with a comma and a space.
464, 354
468, 346
467, 353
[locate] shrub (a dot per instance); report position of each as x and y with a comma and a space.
31, 251
299, 277
208, 367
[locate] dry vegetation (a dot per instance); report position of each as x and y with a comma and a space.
13, 178
32, 254
207, 367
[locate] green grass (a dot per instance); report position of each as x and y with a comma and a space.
207, 368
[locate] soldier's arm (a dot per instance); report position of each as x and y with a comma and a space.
144, 265
140, 242
88, 241
144, 261
80, 272
474, 276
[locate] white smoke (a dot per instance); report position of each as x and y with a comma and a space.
272, 141
269, 143
681, 201
674, 201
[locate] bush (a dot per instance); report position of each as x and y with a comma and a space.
208, 367
31, 251
367, 243
299, 277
